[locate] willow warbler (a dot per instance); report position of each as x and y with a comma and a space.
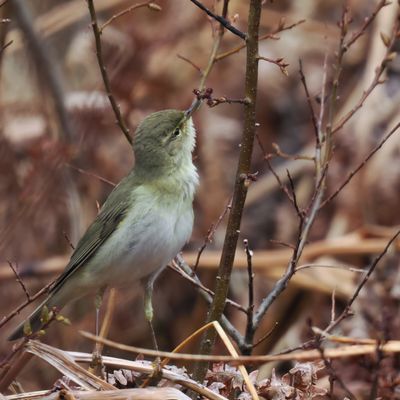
144, 222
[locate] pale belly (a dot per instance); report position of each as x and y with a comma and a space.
140, 246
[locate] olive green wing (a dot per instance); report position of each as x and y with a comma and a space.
111, 214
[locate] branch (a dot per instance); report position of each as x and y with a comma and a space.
271, 35
361, 165
250, 273
307, 217
241, 186
31, 299
356, 35
226, 324
215, 48
223, 21
117, 112
195, 281
149, 4
370, 270
278, 62
210, 235
377, 80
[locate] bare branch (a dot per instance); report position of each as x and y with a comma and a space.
271, 35
241, 185
310, 106
278, 62
210, 234
360, 166
346, 312
223, 21
250, 309
148, 4
356, 35
117, 112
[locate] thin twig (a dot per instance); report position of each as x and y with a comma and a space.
300, 213
278, 62
367, 21
278, 179
18, 309
310, 106
195, 66
361, 165
20, 280
370, 270
149, 4
223, 21
279, 152
176, 267
210, 234
83, 171
271, 35
333, 376
226, 324
117, 112
250, 274
215, 47
6, 45
376, 81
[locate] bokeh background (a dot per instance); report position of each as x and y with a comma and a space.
58, 137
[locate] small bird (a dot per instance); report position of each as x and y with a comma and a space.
142, 225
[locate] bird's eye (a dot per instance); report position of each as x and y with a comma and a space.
177, 132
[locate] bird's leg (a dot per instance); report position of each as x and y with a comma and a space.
148, 306
98, 300
148, 312
96, 364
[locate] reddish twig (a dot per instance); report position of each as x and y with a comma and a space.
278, 179
196, 67
100, 178
356, 35
271, 35
19, 280
278, 62
149, 4
18, 309
210, 234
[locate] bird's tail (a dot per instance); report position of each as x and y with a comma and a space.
35, 321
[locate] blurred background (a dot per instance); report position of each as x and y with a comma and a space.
60, 152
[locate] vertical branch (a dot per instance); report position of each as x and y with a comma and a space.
323, 156
215, 48
241, 186
250, 309
103, 70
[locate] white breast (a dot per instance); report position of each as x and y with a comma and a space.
149, 237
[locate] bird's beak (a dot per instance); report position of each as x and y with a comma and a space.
193, 108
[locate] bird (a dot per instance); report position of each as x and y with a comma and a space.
142, 225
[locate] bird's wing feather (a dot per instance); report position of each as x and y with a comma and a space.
111, 214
